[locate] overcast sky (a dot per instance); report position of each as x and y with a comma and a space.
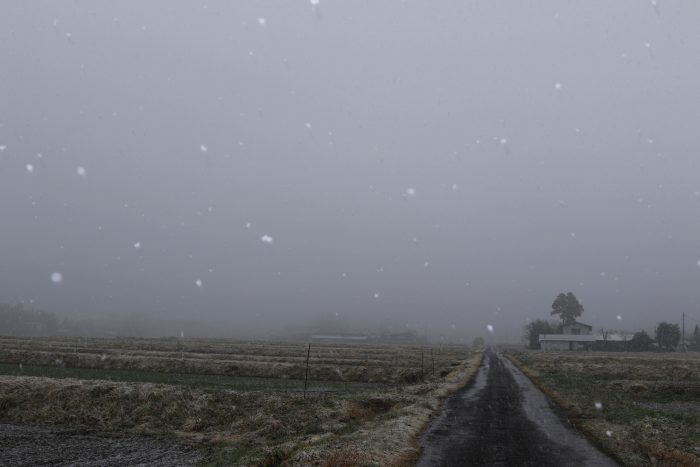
444, 165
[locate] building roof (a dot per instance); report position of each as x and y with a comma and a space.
577, 323
567, 337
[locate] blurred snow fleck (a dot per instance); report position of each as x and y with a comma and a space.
103, 357
30, 168
262, 21
489, 327
81, 171
602, 274
266, 239
557, 86
3, 147
137, 245
454, 187
573, 234
426, 264
376, 295
619, 318
647, 45
609, 433
453, 326
202, 148
182, 333
199, 283
56, 277
599, 405
698, 263
247, 225
314, 2
307, 125
411, 192
503, 141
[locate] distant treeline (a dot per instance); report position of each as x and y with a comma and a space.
17, 320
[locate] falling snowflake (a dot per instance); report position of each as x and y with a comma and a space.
609, 433
426, 264
262, 21
199, 283
202, 148
247, 225
489, 328
137, 245
619, 318
314, 2
3, 147
307, 125
557, 86
30, 168
504, 141
56, 277
454, 187
453, 326
266, 239
598, 405
411, 192
376, 295
81, 171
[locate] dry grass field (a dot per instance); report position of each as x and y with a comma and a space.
643, 408
240, 402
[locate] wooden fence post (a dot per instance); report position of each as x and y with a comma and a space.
306, 378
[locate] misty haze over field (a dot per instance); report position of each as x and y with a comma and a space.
442, 165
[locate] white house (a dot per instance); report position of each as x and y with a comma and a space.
575, 336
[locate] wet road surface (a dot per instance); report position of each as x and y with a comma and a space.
502, 419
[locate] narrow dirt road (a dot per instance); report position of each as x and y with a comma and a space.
504, 420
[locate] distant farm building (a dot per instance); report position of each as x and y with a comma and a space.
575, 336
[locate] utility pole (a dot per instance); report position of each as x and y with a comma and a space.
683, 334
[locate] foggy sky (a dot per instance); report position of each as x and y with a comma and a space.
464, 160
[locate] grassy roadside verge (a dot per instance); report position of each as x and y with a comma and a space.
641, 409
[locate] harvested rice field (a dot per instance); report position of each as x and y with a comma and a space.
234, 402
641, 408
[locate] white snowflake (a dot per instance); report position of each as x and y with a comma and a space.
266, 239
307, 125
2, 148
56, 277
314, 2
202, 148
411, 192
199, 283
489, 327
137, 245
557, 86
609, 433
376, 295
262, 21
81, 171
30, 168
619, 318
454, 187
598, 405
504, 141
